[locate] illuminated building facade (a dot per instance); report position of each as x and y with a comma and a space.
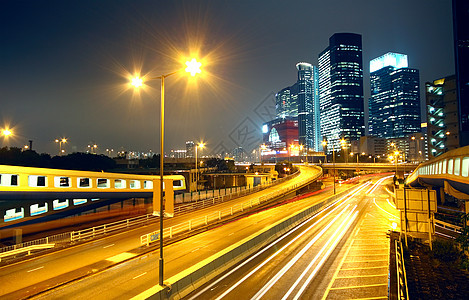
279, 135
442, 116
461, 55
394, 105
301, 101
190, 149
286, 102
341, 89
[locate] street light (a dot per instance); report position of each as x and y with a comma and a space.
60, 142
201, 146
7, 132
193, 67
324, 148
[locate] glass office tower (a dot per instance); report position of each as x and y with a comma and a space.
341, 89
394, 105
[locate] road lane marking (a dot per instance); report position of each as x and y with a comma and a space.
359, 286
231, 234
120, 257
139, 275
108, 246
35, 269
360, 276
195, 250
362, 268
365, 261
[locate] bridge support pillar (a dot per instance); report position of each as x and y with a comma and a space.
168, 199
441, 195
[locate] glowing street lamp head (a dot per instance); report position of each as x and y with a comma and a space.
201, 145
6, 132
193, 67
137, 82
64, 140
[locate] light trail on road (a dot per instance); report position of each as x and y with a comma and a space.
341, 202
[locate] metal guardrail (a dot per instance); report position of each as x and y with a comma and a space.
93, 232
402, 290
449, 226
219, 215
26, 249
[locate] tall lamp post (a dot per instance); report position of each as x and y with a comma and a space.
60, 142
193, 67
201, 146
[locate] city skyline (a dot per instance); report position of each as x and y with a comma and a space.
62, 63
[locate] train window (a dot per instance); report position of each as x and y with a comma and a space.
62, 181
37, 181
14, 180
444, 167
148, 184
457, 166
8, 180
119, 184
450, 166
84, 182
13, 214
440, 167
135, 184
59, 204
465, 167
35, 209
177, 183
103, 183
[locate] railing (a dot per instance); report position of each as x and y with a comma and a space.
217, 193
402, 290
448, 226
26, 249
93, 232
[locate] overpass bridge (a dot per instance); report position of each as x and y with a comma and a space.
27, 193
447, 173
401, 167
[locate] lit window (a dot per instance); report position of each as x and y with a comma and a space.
457, 166
465, 167
119, 184
103, 183
62, 181
450, 166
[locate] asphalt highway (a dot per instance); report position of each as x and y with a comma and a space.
341, 253
135, 276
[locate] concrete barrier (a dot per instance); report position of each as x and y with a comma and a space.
192, 278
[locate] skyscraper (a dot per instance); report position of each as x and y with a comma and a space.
286, 102
301, 101
341, 89
461, 55
394, 105
305, 104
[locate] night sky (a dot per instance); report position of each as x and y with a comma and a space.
65, 65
